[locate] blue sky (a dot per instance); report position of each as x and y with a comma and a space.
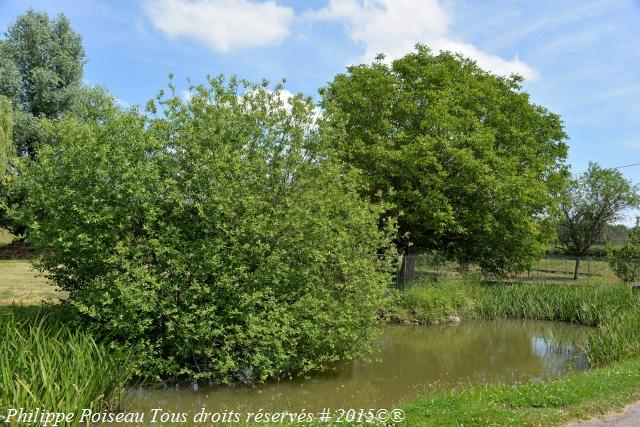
581, 58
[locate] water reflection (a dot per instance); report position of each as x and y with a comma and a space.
408, 358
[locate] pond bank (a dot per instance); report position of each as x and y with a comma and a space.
547, 403
408, 358
613, 347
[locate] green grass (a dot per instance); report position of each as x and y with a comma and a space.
586, 305
613, 348
21, 284
45, 364
548, 403
430, 303
549, 269
613, 310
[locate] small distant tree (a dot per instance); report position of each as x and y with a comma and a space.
625, 261
597, 197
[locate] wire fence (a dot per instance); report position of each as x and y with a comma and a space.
550, 269
20, 283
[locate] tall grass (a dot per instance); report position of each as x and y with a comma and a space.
429, 303
614, 311
45, 364
585, 305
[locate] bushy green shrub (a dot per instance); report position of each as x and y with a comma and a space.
216, 232
625, 261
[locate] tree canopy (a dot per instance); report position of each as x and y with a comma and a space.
595, 198
41, 62
467, 160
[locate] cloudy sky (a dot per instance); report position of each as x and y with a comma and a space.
581, 58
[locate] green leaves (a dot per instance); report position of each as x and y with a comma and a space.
44, 364
218, 232
467, 161
625, 261
596, 198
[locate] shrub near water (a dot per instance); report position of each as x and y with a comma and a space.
44, 364
217, 234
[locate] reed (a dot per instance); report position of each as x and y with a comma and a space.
585, 305
45, 364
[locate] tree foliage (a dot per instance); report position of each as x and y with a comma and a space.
625, 261
41, 61
589, 202
217, 233
7, 154
6, 135
468, 161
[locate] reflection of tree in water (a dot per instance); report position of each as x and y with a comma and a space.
409, 357
497, 350
558, 354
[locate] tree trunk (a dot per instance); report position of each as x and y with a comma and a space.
576, 272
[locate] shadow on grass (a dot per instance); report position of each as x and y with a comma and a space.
31, 314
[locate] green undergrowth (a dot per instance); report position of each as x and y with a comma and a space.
429, 303
46, 364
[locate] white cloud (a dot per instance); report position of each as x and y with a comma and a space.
122, 103
393, 27
224, 25
285, 97
186, 95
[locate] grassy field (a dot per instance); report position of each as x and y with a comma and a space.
21, 284
550, 269
5, 237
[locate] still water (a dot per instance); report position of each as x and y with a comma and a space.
409, 358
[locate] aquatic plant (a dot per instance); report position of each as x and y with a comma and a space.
45, 364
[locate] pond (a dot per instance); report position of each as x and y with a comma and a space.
409, 358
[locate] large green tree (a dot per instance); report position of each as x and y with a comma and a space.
468, 161
218, 233
41, 62
595, 198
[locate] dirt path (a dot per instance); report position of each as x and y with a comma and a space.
630, 417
